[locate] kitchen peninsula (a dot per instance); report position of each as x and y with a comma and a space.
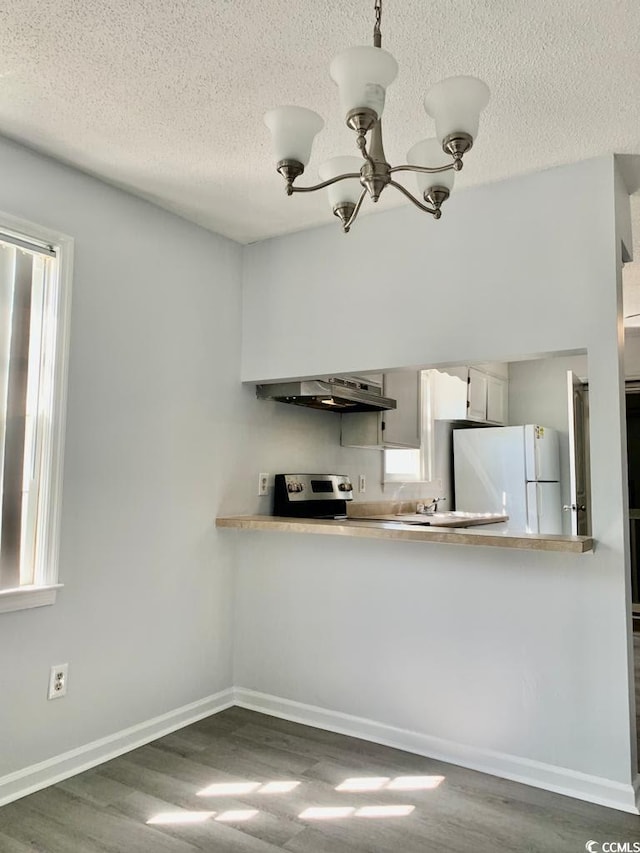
409, 532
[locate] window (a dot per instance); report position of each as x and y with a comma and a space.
403, 466
35, 290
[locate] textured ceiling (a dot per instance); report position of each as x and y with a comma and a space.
166, 97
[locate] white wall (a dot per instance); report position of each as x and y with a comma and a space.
143, 619
488, 648
446, 293
161, 437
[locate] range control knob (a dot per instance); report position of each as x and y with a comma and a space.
345, 487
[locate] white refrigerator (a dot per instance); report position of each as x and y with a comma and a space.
513, 470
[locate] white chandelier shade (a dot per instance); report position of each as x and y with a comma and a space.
428, 152
344, 192
362, 75
293, 130
455, 105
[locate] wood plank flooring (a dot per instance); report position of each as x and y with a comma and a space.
107, 809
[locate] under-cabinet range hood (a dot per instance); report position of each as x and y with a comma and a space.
334, 394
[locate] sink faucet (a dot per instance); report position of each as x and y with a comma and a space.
429, 509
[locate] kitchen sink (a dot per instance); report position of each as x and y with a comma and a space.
439, 519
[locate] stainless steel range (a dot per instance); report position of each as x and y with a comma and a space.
312, 495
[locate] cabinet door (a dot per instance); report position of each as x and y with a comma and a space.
361, 429
449, 394
403, 425
496, 400
477, 395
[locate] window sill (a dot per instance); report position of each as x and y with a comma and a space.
26, 597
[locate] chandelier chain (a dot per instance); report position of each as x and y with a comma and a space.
377, 35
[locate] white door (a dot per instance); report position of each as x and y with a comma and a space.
578, 455
544, 513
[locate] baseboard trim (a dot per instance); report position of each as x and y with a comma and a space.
560, 780
571, 783
45, 773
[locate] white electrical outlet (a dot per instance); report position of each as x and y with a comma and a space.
362, 483
263, 485
58, 678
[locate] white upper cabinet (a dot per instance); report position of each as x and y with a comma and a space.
477, 393
454, 394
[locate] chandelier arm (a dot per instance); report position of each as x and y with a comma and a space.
428, 169
326, 183
417, 203
356, 211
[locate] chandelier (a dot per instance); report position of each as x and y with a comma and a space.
362, 75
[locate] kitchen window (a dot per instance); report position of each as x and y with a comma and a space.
35, 292
403, 466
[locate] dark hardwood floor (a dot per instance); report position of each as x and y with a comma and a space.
110, 807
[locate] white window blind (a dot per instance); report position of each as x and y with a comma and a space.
27, 359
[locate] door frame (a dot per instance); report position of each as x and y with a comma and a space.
632, 386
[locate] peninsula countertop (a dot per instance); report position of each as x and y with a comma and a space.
373, 529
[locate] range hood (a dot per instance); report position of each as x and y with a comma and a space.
334, 394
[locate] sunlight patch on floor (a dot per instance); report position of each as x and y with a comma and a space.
384, 811
332, 812
414, 783
354, 784
326, 812
364, 783
237, 815
400, 783
180, 817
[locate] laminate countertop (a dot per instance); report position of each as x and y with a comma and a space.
372, 529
